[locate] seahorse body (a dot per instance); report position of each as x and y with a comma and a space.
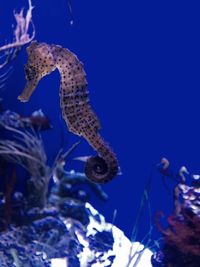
74, 101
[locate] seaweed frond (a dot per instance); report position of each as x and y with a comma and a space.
21, 33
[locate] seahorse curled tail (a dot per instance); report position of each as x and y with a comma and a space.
74, 101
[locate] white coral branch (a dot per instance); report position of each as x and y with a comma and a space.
21, 34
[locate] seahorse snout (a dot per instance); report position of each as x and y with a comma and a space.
40, 63
40, 58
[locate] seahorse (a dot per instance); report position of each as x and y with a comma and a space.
74, 101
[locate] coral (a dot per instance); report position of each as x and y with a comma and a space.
21, 36
68, 180
37, 120
181, 240
59, 224
27, 150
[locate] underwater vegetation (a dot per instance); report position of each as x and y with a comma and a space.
74, 101
56, 226
22, 36
42, 225
49, 221
181, 238
37, 120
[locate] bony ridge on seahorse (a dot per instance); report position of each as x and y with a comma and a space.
74, 101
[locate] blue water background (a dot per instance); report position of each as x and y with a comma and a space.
143, 68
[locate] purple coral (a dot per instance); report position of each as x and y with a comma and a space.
181, 239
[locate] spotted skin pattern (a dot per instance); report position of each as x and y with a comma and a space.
74, 100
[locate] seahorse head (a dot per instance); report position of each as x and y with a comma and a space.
40, 63
40, 58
